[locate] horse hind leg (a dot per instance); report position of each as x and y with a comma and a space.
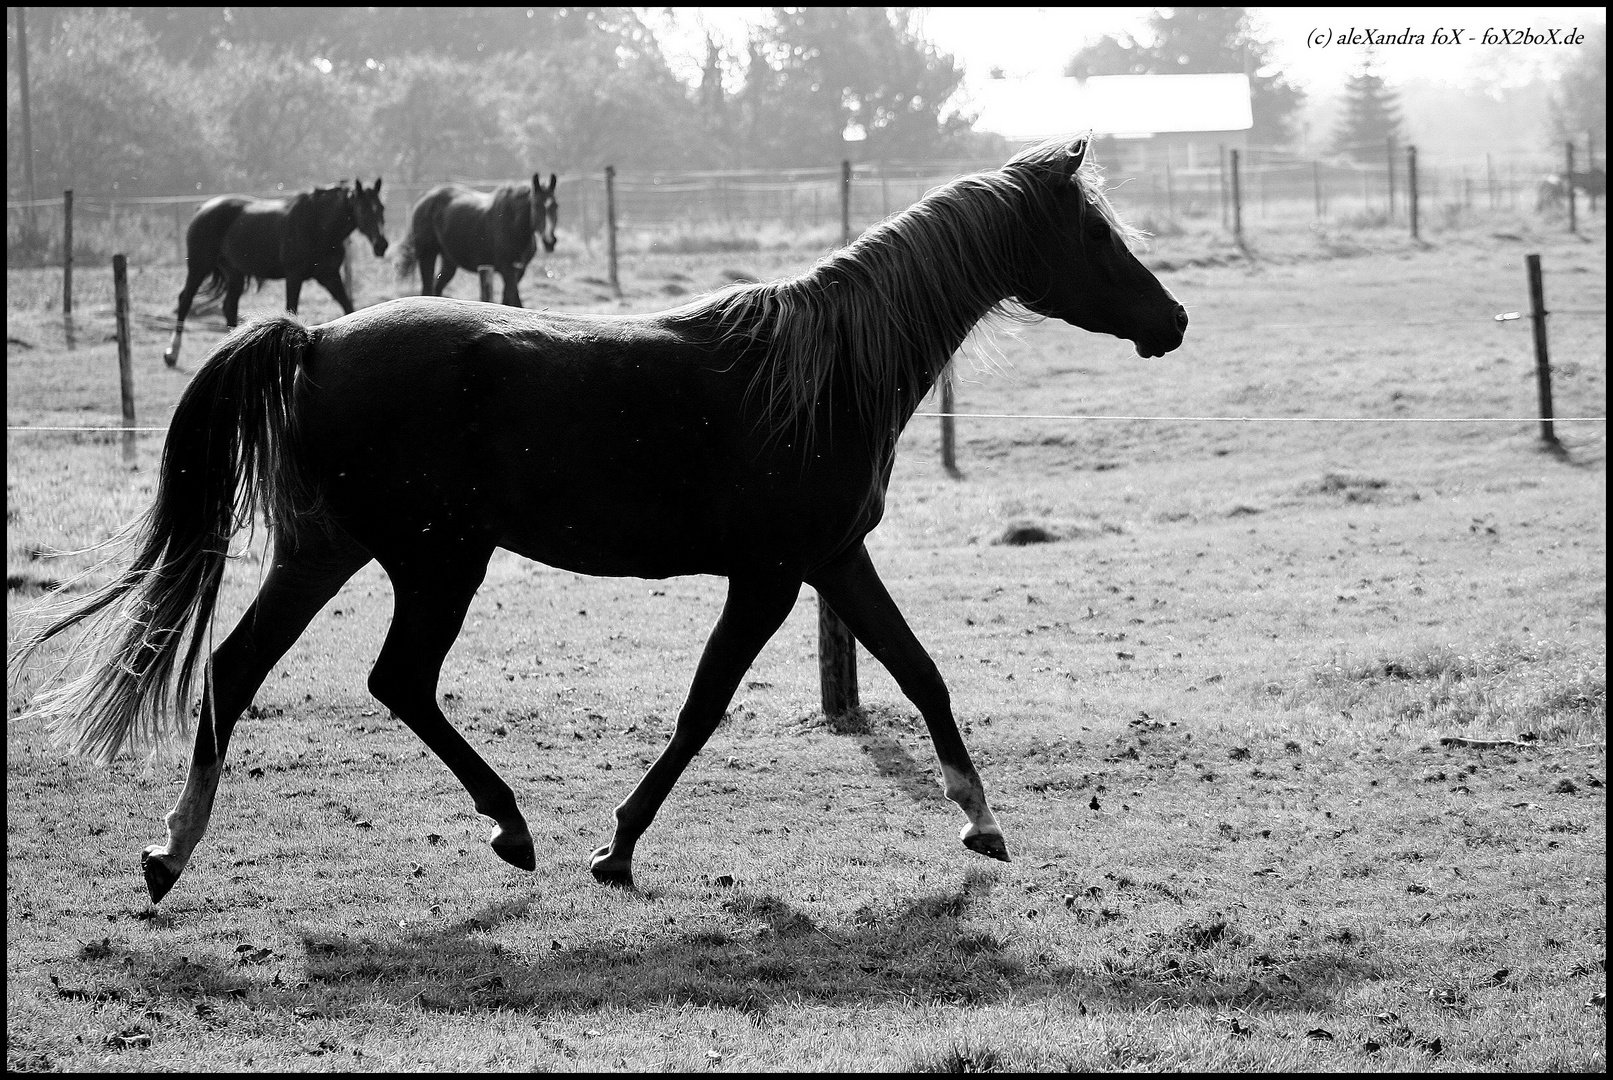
234, 285
296, 588
444, 276
430, 608
193, 281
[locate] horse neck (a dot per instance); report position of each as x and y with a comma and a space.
903, 314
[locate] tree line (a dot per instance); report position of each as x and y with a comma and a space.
168, 100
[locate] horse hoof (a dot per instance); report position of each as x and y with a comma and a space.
516, 850
170, 359
987, 844
607, 871
160, 877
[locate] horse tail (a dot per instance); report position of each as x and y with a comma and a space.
406, 254
204, 243
231, 449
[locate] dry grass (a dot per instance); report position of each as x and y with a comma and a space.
1208, 711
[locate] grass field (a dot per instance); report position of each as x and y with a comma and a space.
1209, 710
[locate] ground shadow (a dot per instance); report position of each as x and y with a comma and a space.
923, 951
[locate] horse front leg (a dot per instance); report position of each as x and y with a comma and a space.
753, 612
854, 591
193, 281
296, 588
512, 279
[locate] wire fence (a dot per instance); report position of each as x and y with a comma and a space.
752, 208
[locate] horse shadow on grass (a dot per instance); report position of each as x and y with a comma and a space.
927, 950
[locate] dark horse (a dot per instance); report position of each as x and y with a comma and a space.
471, 228
749, 434
235, 237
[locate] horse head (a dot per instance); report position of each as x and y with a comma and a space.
369, 214
545, 210
1079, 266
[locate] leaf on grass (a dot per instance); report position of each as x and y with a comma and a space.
1500, 977
1232, 1024
1415, 888
725, 881
1433, 1046
129, 1039
1598, 1000
1319, 1033
1093, 805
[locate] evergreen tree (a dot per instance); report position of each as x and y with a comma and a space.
1371, 115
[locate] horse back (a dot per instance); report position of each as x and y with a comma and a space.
252, 242
443, 417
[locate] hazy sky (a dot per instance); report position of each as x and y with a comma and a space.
1026, 41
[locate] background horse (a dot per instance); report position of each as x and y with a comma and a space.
235, 237
470, 228
750, 434
1553, 190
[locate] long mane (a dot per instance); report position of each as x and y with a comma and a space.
881, 318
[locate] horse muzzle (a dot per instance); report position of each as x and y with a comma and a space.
1163, 343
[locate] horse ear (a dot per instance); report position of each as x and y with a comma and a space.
1076, 153
358, 186
378, 185
553, 180
537, 183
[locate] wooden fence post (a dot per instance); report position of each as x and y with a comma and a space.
1573, 225
1221, 177
1411, 187
1389, 158
1237, 201
120, 296
610, 228
67, 252
1537, 313
484, 274
949, 455
845, 203
837, 648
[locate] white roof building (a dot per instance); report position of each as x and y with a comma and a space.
1204, 109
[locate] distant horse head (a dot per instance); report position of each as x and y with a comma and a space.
545, 210
1080, 267
369, 215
